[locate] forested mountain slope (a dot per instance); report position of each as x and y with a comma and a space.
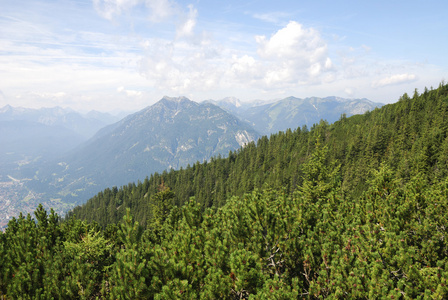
410, 136
353, 210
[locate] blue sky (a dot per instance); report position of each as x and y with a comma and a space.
126, 54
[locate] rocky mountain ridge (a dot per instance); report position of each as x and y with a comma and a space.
291, 112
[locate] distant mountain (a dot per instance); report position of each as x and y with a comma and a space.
101, 117
293, 112
37, 135
172, 133
29, 140
24, 141
236, 106
83, 125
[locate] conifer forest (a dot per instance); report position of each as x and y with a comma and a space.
356, 209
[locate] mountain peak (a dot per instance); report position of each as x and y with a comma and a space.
173, 103
175, 99
232, 101
6, 108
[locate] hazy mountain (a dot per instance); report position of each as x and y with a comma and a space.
37, 135
236, 106
101, 117
83, 125
294, 112
172, 133
23, 142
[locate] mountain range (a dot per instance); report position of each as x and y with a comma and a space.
84, 125
291, 112
170, 134
31, 135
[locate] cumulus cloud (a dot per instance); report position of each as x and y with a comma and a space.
244, 67
394, 79
290, 42
294, 53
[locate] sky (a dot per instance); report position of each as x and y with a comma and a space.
124, 55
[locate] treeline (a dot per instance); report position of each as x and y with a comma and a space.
410, 136
352, 210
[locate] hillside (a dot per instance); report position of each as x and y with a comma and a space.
397, 134
351, 210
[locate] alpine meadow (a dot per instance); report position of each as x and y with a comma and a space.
356, 209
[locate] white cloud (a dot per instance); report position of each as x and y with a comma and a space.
191, 63
129, 93
30, 84
328, 63
159, 10
394, 79
348, 91
52, 95
108, 9
272, 17
244, 67
292, 42
186, 28
294, 54
291, 56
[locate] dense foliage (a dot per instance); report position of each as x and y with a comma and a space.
356, 209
